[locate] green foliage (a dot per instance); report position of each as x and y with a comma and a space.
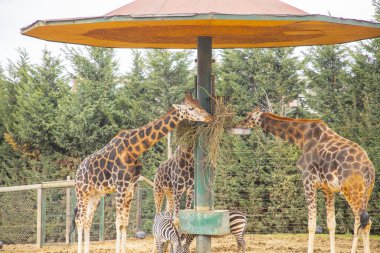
326, 68
52, 117
259, 77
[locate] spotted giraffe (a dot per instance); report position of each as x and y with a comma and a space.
176, 176
116, 168
329, 162
173, 178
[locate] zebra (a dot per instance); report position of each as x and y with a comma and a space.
165, 231
238, 224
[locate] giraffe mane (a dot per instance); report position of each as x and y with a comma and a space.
292, 119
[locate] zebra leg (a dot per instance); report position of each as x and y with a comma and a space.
241, 245
238, 224
188, 239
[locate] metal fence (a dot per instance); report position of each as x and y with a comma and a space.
42, 213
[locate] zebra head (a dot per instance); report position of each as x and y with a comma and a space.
166, 215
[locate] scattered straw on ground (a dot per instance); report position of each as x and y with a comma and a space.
270, 243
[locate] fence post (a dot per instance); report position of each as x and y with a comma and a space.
101, 219
138, 207
41, 216
68, 213
73, 205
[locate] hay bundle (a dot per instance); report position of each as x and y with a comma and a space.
211, 133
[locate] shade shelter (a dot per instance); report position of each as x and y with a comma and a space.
204, 24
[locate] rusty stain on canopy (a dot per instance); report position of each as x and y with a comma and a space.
178, 24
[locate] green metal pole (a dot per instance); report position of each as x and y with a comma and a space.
203, 176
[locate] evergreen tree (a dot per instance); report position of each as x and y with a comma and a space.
326, 69
88, 118
168, 76
265, 77
135, 93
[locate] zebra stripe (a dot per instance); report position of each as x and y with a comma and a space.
238, 224
165, 231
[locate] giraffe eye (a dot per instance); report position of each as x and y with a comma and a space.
191, 109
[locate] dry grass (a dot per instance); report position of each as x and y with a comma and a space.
211, 133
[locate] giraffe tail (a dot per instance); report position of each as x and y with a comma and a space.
73, 220
364, 220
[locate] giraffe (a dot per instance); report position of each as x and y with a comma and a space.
173, 178
328, 162
176, 176
116, 168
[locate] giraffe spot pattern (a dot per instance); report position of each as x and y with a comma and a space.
328, 161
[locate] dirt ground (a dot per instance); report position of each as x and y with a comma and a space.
273, 243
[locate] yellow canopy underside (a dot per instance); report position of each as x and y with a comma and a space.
160, 33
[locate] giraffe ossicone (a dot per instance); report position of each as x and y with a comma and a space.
116, 168
329, 162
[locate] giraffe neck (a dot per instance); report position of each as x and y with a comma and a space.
141, 139
296, 131
183, 149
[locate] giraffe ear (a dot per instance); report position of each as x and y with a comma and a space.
188, 96
256, 109
177, 107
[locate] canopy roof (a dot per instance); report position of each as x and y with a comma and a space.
178, 23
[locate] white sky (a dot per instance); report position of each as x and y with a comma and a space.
15, 14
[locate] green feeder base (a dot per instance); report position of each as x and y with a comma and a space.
204, 222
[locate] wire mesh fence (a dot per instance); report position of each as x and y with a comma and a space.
18, 212
266, 213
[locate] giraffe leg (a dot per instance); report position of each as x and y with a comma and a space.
311, 197
91, 208
169, 201
80, 219
123, 201
356, 233
177, 200
158, 199
365, 236
366, 230
80, 238
154, 250
352, 189
331, 223
189, 196
118, 231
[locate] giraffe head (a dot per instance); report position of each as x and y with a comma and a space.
252, 119
190, 109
